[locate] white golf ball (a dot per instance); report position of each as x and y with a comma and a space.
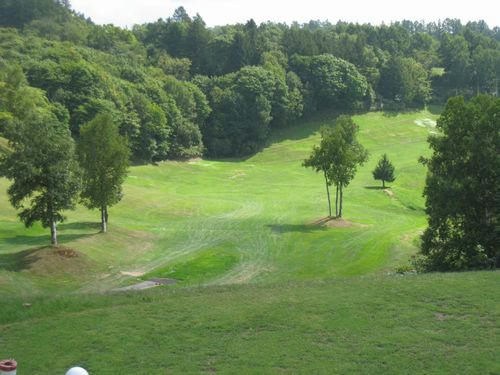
77, 371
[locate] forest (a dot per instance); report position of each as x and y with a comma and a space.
179, 89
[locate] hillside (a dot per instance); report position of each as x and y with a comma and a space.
236, 221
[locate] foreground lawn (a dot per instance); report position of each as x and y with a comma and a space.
417, 324
218, 222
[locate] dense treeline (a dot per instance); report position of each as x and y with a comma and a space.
179, 89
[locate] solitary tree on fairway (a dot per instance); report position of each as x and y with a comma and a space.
338, 156
43, 169
322, 159
348, 155
104, 157
384, 171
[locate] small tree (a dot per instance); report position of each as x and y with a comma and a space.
384, 171
43, 169
104, 157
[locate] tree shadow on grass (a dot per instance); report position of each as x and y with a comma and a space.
41, 240
89, 225
299, 228
16, 262
376, 187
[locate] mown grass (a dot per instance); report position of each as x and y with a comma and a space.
257, 210
263, 290
416, 324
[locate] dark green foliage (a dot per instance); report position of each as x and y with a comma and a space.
103, 155
384, 170
89, 68
18, 13
404, 81
242, 104
41, 164
462, 188
336, 83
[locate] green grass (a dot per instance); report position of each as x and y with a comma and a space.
256, 211
201, 267
262, 290
418, 324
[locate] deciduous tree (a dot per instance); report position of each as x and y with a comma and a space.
103, 156
44, 173
462, 188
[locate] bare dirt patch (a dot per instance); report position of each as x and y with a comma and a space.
389, 193
332, 222
67, 253
50, 261
441, 316
147, 285
194, 160
132, 273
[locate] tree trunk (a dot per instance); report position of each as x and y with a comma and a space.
341, 197
337, 201
383, 184
103, 220
106, 214
53, 233
328, 195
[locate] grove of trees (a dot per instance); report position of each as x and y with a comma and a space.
179, 89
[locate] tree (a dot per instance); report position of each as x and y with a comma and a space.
43, 169
337, 157
322, 159
335, 82
103, 156
462, 191
405, 80
349, 154
384, 171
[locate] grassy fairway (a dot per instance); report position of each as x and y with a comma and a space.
235, 221
311, 300
424, 324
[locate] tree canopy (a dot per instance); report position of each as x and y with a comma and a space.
40, 163
103, 155
384, 171
462, 190
180, 89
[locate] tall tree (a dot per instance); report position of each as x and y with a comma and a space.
322, 160
44, 173
348, 156
338, 156
384, 170
462, 188
104, 157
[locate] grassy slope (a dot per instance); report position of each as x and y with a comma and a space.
252, 213
424, 324
244, 221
